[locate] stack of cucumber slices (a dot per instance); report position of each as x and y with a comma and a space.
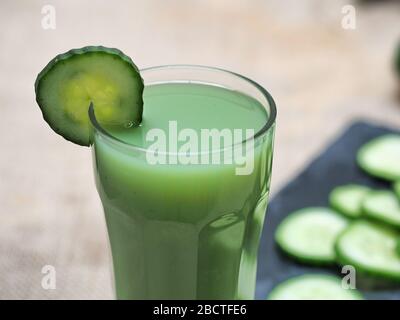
361, 229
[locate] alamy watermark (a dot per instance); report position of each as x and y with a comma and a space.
204, 146
349, 21
48, 21
349, 278
49, 279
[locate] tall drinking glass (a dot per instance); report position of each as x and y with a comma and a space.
187, 230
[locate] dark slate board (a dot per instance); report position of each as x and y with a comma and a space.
334, 166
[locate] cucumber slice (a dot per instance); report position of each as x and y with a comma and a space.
309, 235
383, 206
381, 157
371, 249
72, 80
347, 199
313, 287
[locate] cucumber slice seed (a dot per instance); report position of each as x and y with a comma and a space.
371, 249
381, 157
347, 199
72, 80
313, 287
309, 234
383, 206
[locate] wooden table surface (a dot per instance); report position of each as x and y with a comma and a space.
321, 76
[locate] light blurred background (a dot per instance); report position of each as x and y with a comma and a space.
321, 75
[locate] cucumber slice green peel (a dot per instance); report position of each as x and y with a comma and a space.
103, 76
396, 188
383, 206
398, 246
347, 199
313, 287
371, 249
381, 157
309, 235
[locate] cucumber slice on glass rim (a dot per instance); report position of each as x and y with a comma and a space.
309, 234
313, 287
383, 206
381, 157
371, 249
347, 199
103, 76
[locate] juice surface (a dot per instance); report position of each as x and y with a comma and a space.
193, 106
184, 231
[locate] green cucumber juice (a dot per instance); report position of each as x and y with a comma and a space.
184, 231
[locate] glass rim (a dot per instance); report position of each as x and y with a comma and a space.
261, 132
